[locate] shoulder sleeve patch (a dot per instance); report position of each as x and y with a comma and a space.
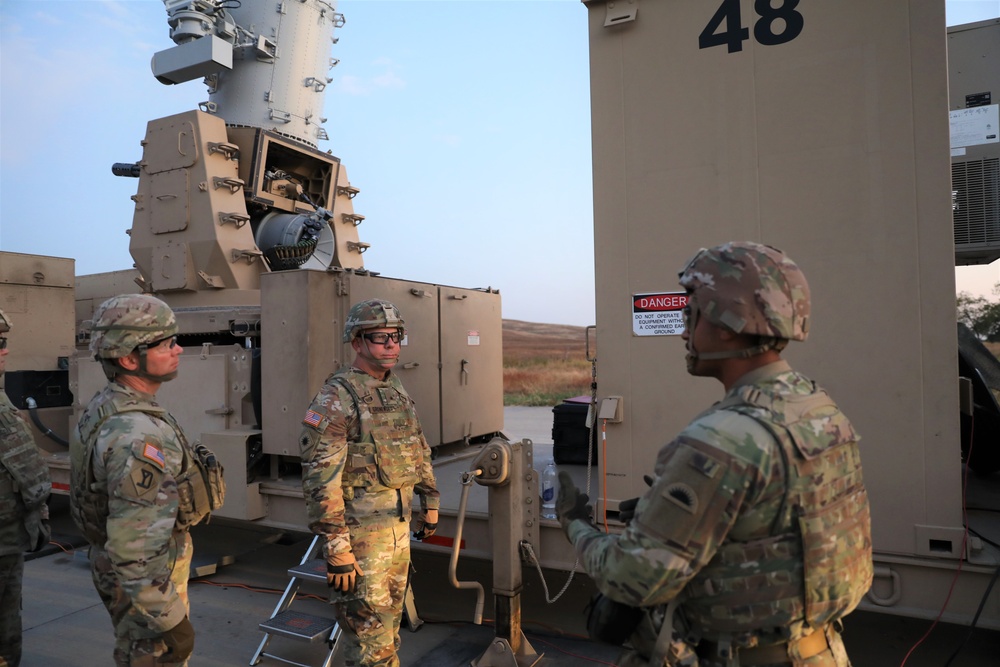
143, 482
313, 419
152, 453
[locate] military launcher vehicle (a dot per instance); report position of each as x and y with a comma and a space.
820, 128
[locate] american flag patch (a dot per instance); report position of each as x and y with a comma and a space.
312, 418
153, 453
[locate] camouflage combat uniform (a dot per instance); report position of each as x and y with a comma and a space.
24, 489
756, 555
130, 454
364, 455
755, 536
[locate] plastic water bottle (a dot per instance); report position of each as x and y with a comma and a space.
550, 478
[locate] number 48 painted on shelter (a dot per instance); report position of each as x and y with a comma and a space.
735, 34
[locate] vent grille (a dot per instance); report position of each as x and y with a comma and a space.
976, 202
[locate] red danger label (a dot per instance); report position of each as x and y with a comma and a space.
650, 303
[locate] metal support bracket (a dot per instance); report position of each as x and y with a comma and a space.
235, 219
348, 190
231, 151
234, 184
249, 255
500, 654
352, 218
357, 247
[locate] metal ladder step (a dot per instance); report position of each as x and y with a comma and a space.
313, 570
297, 625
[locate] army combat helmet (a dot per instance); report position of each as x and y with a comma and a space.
750, 289
371, 314
130, 322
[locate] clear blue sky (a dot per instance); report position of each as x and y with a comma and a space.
466, 125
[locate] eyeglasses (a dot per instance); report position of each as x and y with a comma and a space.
161, 341
3, 343
381, 337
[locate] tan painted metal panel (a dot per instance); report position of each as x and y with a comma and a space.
832, 146
36, 292
471, 363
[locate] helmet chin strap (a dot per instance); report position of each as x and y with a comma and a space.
693, 356
141, 372
387, 364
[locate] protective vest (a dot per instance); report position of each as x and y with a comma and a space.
24, 484
817, 563
200, 484
388, 450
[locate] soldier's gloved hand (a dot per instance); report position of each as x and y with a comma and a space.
180, 640
428, 525
342, 572
571, 504
626, 508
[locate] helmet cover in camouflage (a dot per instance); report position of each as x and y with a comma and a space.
124, 322
371, 314
749, 288
4, 322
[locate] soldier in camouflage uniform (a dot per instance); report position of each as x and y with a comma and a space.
138, 486
363, 457
755, 537
24, 490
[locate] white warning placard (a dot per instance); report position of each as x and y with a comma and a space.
658, 313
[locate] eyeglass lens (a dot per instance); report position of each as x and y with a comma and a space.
381, 337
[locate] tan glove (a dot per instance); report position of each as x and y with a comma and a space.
342, 572
428, 525
180, 640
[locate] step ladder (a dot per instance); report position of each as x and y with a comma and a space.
285, 622
306, 627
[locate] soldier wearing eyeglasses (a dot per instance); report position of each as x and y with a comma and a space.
138, 485
364, 456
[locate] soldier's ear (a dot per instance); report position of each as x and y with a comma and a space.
129, 362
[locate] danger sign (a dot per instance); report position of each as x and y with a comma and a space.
658, 313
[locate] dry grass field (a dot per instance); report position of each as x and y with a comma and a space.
544, 363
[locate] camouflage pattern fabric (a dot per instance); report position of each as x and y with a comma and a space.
372, 613
135, 646
11, 575
363, 460
134, 452
124, 322
750, 288
24, 490
721, 528
24, 485
371, 314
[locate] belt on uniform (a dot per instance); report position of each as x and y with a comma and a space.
777, 654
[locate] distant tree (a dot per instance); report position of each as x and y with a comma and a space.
981, 315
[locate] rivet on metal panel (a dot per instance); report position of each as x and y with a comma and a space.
623, 11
